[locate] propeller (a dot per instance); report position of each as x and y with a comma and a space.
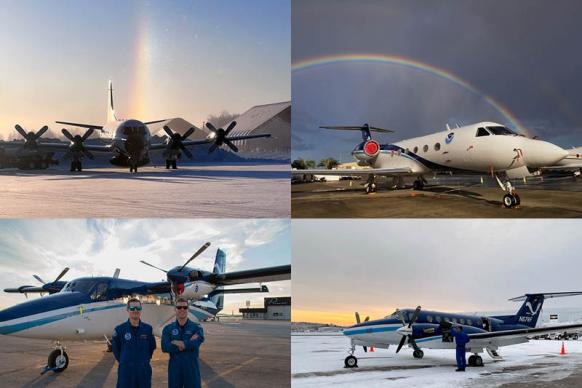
77, 147
406, 331
30, 138
358, 321
63, 272
195, 255
221, 136
175, 141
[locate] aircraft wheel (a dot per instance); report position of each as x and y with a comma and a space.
351, 362
368, 189
109, 348
516, 199
508, 201
417, 185
418, 354
174, 164
471, 360
58, 362
478, 361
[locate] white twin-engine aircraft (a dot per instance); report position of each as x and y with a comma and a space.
485, 147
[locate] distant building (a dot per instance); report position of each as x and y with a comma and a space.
270, 118
275, 309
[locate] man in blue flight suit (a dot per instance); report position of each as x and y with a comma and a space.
461, 339
133, 344
182, 339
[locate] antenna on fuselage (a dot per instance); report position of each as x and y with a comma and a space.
448, 126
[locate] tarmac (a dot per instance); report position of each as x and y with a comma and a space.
442, 198
242, 190
235, 353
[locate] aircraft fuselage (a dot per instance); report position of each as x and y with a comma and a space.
130, 140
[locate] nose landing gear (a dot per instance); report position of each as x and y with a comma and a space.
510, 199
370, 185
58, 360
351, 361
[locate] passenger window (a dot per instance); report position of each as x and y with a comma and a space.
454, 320
462, 320
416, 150
425, 148
469, 322
429, 318
437, 146
438, 319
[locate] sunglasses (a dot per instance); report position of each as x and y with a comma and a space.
182, 307
134, 308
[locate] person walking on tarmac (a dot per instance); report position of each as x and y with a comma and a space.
182, 339
461, 339
133, 344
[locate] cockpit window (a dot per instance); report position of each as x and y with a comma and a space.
99, 292
500, 130
83, 286
482, 132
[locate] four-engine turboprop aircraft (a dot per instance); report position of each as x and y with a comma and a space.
432, 329
130, 140
481, 148
89, 308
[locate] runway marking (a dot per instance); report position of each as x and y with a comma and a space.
229, 371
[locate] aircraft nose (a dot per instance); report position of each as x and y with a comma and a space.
539, 153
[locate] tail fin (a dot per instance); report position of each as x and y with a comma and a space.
110, 110
531, 308
219, 267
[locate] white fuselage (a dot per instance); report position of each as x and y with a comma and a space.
461, 149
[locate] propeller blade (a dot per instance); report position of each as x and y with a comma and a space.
67, 134
168, 131
153, 266
357, 317
186, 151
414, 316
63, 272
40, 132
401, 344
198, 252
188, 133
211, 127
230, 127
365, 349
87, 134
212, 148
367, 319
230, 145
39, 279
21, 131
88, 154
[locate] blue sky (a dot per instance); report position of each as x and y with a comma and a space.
184, 59
97, 247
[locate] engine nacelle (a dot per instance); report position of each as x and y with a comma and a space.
196, 290
367, 151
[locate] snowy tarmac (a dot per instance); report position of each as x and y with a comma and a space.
319, 361
194, 191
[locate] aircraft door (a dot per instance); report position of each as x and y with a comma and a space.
486, 324
446, 330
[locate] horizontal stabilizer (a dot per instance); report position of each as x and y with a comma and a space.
546, 295
355, 128
80, 125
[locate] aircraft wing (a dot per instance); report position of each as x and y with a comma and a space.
25, 290
510, 337
270, 274
235, 138
163, 146
80, 125
356, 171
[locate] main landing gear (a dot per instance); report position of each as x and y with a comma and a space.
418, 184
510, 199
76, 166
418, 354
132, 168
370, 185
475, 360
171, 163
58, 360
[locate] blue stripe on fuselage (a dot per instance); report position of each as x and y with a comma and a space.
9, 329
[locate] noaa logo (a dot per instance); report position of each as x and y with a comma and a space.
127, 336
531, 309
450, 137
175, 332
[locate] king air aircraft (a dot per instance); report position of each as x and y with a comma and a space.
432, 329
482, 148
89, 308
129, 141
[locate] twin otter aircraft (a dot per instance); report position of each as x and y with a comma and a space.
432, 329
482, 148
129, 141
90, 308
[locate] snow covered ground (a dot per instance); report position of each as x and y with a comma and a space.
194, 191
318, 360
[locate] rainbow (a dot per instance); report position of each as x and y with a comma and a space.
141, 65
309, 63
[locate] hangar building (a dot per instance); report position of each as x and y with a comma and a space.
275, 309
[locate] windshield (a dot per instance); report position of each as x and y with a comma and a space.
500, 130
83, 285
